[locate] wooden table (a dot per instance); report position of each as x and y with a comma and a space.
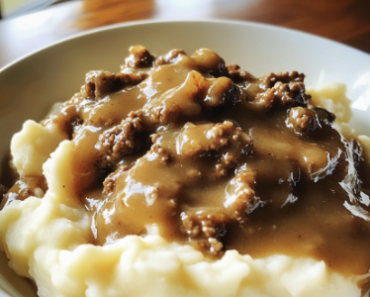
346, 21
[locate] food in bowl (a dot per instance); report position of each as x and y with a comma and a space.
181, 176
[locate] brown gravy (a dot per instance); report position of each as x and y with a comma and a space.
218, 159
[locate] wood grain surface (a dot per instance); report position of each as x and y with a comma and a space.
346, 21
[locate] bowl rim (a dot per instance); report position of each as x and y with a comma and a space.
259, 25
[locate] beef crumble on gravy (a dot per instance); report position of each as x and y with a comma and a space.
215, 158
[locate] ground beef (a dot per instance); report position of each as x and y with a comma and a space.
139, 58
100, 83
282, 94
284, 77
172, 57
121, 140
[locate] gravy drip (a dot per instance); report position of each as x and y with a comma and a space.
216, 158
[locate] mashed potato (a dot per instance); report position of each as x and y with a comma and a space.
49, 239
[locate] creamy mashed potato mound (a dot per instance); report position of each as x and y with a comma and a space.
49, 239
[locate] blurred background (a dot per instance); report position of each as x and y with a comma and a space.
27, 25
12, 8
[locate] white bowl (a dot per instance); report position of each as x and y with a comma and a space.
29, 86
